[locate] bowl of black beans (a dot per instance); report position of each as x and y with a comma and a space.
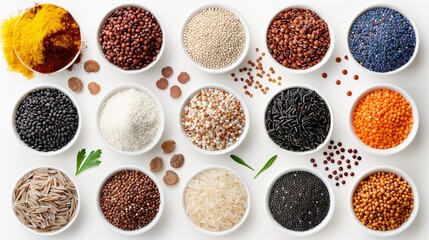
300, 201
298, 120
130, 200
46, 120
131, 38
300, 38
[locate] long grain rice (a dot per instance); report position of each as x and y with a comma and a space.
45, 200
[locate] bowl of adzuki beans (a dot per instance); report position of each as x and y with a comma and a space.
131, 38
300, 38
377, 189
130, 200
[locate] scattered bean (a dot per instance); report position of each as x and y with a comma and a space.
162, 83
175, 91
167, 72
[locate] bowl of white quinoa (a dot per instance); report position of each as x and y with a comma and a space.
130, 119
215, 38
214, 120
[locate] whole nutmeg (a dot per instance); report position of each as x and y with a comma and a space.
156, 164
170, 177
177, 160
168, 146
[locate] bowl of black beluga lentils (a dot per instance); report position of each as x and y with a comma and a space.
300, 201
215, 38
131, 38
130, 200
299, 120
300, 38
383, 40
46, 120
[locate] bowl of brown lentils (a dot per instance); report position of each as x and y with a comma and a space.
215, 38
131, 38
300, 38
130, 200
384, 201
214, 120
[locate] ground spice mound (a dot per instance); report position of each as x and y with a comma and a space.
383, 119
46, 38
383, 201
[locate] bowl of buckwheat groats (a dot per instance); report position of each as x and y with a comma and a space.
214, 120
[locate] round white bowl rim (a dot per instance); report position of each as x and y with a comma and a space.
246, 30
393, 7
243, 134
328, 54
70, 223
325, 221
161, 196
113, 66
236, 226
331, 127
410, 136
403, 175
125, 86
65, 92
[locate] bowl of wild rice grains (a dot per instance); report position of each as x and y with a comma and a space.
383, 40
384, 201
130, 200
216, 201
300, 38
46, 200
215, 38
383, 119
214, 120
46, 120
130, 119
300, 201
298, 120
131, 38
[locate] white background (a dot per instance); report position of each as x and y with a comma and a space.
255, 149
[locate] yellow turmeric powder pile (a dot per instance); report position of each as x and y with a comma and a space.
12, 61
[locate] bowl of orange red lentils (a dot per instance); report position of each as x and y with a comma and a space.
384, 119
384, 201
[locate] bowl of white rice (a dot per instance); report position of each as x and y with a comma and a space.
216, 201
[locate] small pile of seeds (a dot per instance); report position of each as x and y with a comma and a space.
129, 120
214, 38
383, 201
131, 38
162, 83
177, 161
130, 200
344, 72
248, 77
298, 38
383, 119
46, 120
299, 201
45, 200
382, 39
213, 119
339, 162
298, 119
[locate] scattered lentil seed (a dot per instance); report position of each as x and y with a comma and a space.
356, 77
349, 93
130, 200
389, 205
338, 59
298, 119
324, 75
338, 82
383, 119
286, 205
344, 72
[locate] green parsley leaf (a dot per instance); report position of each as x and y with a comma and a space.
92, 160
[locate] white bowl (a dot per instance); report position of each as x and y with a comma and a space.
385, 5
331, 198
66, 66
113, 66
328, 54
411, 135
208, 232
54, 233
161, 118
228, 149
404, 225
72, 141
331, 127
161, 205
246, 46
